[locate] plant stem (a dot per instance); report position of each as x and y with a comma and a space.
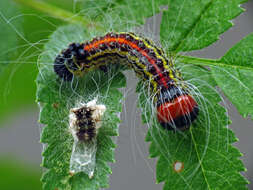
58, 13
209, 62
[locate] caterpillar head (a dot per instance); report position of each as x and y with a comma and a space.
70, 62
176, 109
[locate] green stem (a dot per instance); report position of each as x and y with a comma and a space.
58, 13
209, 62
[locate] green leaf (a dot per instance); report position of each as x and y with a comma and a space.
121, 15
192, 25
96, 8
127, 10
8, 36
236, 80
25, 177
209, 160
57, 97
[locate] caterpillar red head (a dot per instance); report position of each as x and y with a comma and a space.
176, 109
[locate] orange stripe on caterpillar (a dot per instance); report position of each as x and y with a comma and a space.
108, 39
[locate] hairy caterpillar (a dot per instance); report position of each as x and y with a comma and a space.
176, 108
85, 120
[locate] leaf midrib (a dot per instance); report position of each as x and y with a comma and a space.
200, 162
210, 62
179, 44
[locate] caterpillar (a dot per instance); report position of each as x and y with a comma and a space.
176, 108
85, 120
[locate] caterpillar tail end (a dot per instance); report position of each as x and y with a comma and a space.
177, 113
